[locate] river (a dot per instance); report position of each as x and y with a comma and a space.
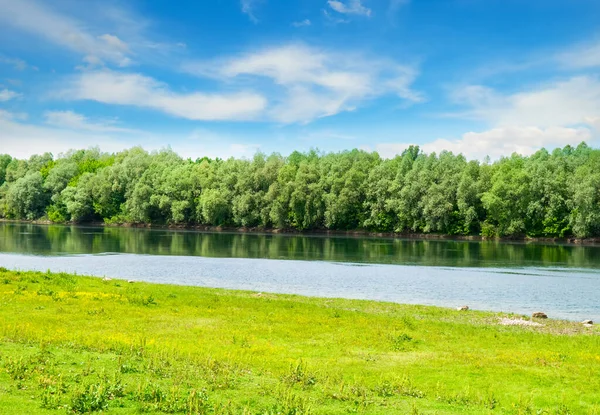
561, 280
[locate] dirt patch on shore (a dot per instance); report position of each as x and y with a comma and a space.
518, 322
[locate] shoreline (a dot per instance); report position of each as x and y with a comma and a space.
449, 303
287, 296
319, 232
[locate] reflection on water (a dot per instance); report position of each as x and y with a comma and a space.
68, 240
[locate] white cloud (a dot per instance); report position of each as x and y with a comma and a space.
36, 18
40, 139
303, 23
505, 141
7, 95
563, 103
551, 115
498, 142
307, 83
580, 57
141, 91
594, 122
350, 7
8, 115
248, 9
334, 20
74, 121
18, 64
22, 140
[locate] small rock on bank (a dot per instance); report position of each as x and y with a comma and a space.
588, 323
463, 308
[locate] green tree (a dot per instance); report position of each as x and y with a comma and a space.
26, 198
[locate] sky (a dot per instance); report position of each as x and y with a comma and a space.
223, 78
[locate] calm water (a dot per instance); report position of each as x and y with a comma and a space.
562, 280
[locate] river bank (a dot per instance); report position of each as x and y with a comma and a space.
74, 342
319, 232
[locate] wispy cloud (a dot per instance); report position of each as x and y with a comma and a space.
74, 121
350, 7
334, 19
16, 63
102, 34
248, 9
303, 23
137, 90
14, 131
308, 83
35, 18
581, 56
7, 95
8, 115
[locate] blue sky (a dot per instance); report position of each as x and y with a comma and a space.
231, 77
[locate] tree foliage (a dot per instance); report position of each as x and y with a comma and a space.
549, 194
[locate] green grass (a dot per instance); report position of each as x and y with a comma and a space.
72, 344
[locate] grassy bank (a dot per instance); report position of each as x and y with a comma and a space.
73, 344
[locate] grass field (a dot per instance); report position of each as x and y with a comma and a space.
72, 344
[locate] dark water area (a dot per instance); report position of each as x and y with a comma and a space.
562, 280
53, 240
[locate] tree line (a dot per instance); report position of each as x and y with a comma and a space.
547, 194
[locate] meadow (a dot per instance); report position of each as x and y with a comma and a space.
75, 344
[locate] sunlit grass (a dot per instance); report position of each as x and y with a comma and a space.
79, 344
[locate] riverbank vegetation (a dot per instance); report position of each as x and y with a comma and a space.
80, 345
553, 194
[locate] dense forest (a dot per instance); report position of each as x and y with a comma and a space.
549, 194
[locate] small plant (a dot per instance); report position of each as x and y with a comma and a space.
290, 404
299, 375
143, 300
18, 369
50, 399
21, 288
91, 398
96, 312
128, 368
152, 398
385, 389
45, 291
401, 342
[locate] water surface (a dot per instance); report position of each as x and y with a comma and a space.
562, 280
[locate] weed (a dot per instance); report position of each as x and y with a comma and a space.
45, 291
18, 369
298, 374
385, 389
290, 404
90, 398
153, 398
401, 342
